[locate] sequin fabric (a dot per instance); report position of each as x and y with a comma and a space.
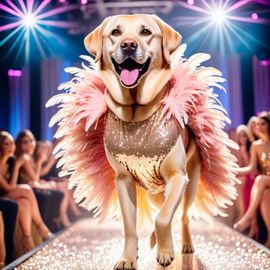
89, 245
264, 163
140, 147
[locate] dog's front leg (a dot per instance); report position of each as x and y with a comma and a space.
126, 189
173, 170
127, 197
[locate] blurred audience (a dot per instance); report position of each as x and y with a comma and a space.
28, 210
36, 164
243, 158
260, 165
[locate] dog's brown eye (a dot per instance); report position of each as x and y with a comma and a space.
116, 32
145, 32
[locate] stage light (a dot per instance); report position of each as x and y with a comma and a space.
265, 62
29, 20
190, 2
254, 16
218, 15
14, 73
84, 2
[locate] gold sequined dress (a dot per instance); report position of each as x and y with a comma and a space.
140, 147
264, 163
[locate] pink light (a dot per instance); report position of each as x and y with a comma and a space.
190, 2
17, 73
61, 1
254, 16
84, 2
14, 73
265, 62
10, 72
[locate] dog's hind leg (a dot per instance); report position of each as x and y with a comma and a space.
173, 169
193, 170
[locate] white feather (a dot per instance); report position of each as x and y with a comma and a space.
196, 59
59, 98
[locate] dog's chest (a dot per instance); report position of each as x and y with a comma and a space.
142, 146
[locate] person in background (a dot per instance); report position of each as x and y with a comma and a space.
243, 157
28, 210
31, 171
260, 163
50, 173
252, 129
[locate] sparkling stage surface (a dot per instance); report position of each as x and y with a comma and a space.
88, 245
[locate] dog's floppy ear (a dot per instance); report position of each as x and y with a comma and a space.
170, 38
93, 41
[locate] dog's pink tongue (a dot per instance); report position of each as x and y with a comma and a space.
129, 77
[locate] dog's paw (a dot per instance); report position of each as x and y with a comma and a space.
187, 248
165, 257
125, 264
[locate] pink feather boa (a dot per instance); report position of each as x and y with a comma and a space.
190, 100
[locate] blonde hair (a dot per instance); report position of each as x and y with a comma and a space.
250, 132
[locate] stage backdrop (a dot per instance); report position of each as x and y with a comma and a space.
52, 74
19, 100
261, 88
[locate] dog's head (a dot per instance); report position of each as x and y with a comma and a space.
133, 55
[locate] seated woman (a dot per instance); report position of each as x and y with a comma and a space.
50, 172
31, 171
28, 210
259, 162
242, 155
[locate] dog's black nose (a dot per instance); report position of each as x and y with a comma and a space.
129, 45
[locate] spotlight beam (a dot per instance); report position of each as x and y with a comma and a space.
239, 4
249, 20
23, 6
57, 11
14, 44
38, 44
9, 10
9, 26
30, 4
191, 7
14, 7
61, 24
42, 5
3, 41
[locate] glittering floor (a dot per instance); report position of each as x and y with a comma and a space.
91, 246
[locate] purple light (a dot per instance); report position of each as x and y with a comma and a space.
190, 2
265, 62
61, 1
84, 2
14, 73
254, 16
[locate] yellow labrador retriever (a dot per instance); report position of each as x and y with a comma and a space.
133, 57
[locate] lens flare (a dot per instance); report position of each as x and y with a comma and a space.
216, 23
28, 22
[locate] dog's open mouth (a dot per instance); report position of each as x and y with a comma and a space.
130, 71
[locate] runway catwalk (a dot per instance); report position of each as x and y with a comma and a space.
88, 245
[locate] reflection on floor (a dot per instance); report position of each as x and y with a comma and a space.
88, 245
